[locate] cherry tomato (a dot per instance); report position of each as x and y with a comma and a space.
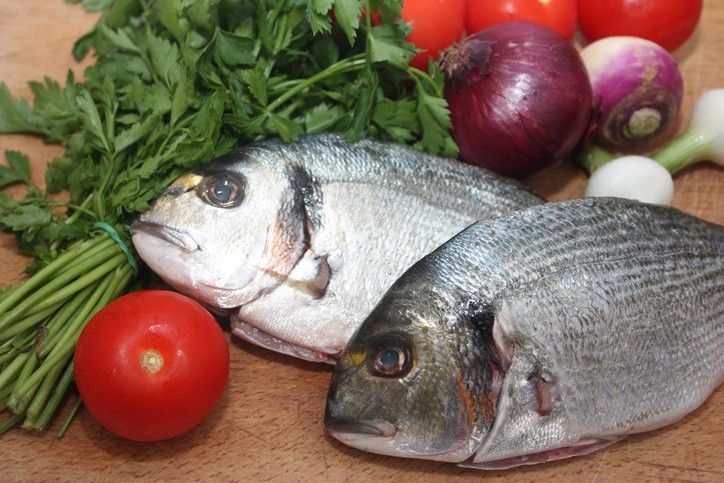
436, 24
151, 365
667, 22
560, 15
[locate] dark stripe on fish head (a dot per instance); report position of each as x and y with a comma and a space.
307, 197
481, 373
298, 217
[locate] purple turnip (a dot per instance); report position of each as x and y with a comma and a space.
638, 85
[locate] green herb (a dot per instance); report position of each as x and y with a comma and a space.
177, 83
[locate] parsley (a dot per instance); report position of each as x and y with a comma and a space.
177, 83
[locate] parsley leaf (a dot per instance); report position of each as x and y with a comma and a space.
19, 169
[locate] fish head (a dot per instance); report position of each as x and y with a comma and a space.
220, 234
401, 387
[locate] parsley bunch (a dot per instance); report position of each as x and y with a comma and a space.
177, 83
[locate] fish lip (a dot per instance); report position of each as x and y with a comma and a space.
165, 233
347, 429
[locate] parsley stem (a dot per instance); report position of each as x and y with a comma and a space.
17, 405
98, 199
181, 137
83, 281
10, 422
111, 287
50, 270
57, 396
60, 287
72, 413
28, 322
350, 64
12, 370
281, 35
78, 209
272, 16
417, 74
43, 394
60, 320
4, 393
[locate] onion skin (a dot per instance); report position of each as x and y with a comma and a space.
519, 96
639, 86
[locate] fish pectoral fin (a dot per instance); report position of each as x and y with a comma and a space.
321, 280
504, 335
310, 276
542, 395
578, 448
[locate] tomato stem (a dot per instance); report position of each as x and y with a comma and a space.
151, 361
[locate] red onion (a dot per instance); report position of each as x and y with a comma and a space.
639, 86
519, 96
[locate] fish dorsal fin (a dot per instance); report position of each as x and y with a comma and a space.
504, 335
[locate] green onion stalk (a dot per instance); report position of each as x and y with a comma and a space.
41, 320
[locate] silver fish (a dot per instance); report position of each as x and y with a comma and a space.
544, 334
297, 242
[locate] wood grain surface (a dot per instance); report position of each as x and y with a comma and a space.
268, 424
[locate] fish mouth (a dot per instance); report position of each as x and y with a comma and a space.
165, 233
354, 430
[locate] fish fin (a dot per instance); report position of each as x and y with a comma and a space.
543, 398
321, 281
504, 335
315, 286
258, 337
578, 448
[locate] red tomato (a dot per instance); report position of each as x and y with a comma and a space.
436, 23
560, 15
667, 22
151, 365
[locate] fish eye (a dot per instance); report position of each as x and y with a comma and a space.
390, 359
223, 190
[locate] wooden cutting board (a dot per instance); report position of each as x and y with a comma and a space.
268, 424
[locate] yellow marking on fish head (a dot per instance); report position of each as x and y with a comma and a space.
188, 180
352, 357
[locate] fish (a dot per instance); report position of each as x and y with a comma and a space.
544, 334
296, 242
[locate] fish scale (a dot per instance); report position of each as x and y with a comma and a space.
608, 321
